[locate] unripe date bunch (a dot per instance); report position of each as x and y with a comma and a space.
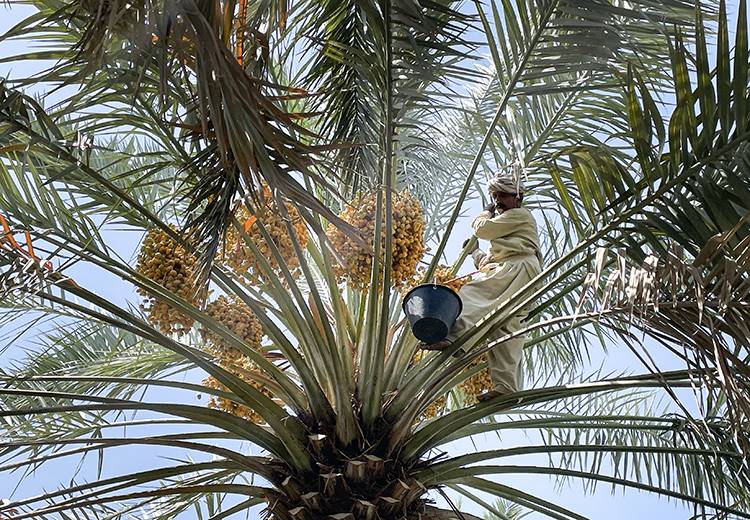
441, 276
239, 255
436, 407
471, 388
164, 261
477, 384
235, 315
407, 239
243, 368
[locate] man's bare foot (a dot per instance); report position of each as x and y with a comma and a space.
440, 345
490, 394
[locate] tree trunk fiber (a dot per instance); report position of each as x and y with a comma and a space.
433, 513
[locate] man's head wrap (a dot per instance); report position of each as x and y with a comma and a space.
505, 183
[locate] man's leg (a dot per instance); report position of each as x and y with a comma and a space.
504, 360
503, 363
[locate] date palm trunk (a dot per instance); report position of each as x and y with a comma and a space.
433, 513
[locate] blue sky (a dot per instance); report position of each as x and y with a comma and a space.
601, 504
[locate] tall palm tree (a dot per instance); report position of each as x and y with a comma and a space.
235, 133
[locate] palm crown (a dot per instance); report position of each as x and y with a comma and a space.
237, 135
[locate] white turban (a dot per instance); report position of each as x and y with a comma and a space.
504, 183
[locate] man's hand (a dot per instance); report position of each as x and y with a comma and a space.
466, 243
491, 207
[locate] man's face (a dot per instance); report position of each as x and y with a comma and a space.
505, 201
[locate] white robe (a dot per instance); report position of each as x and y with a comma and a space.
513, 261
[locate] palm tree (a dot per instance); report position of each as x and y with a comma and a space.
234, 134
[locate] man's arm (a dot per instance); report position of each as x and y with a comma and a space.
488, 227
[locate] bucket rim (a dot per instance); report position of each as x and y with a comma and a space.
454, 293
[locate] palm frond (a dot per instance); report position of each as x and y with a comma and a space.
185, 109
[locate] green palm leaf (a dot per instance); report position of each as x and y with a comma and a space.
185, 109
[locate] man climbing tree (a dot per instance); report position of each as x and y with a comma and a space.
512, 260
